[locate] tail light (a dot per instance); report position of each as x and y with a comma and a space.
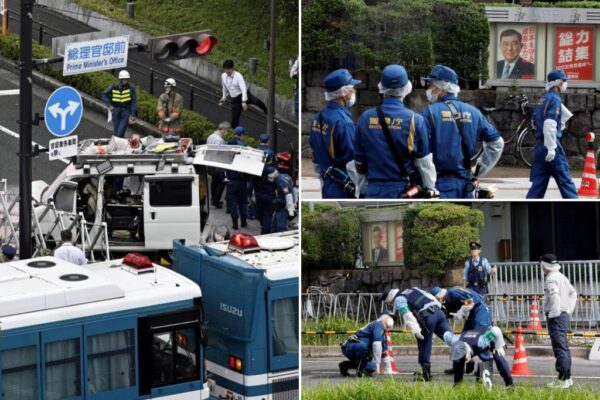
243, 243
235, 363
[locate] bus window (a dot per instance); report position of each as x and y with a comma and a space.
174, 356
19, 373
63, 369
110, 361
285, 326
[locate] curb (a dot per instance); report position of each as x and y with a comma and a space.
45, 81
411, 350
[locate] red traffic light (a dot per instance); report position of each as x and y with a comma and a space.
183, 45
206, 43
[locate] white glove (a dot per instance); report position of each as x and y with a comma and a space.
413, 325
377, 351
221, 102
550, 130
245, 106
458, 315
167, 120
550, 156
500, 351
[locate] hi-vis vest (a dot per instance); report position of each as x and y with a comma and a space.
120, 97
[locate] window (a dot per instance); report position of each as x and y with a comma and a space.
63, 377
65, 196
285, 326
110, 361
171, 193
174, 356
19, 373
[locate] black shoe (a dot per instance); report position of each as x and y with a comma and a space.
427, 374
344, 367
361, 373
470, 367
244, 224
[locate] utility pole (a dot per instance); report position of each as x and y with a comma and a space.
271, 99
5, 17
25, 156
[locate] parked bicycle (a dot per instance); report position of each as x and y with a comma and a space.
524, 133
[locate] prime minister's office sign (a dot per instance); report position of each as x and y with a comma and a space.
527, 43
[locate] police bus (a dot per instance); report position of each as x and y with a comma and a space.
250, 295
124, 329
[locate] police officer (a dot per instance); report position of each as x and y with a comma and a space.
217, 185
237, 140
237, 186
332, 132
284, 205
265, 192
423, 315
121, 100
263, 138
391, 141
479, 342
8, 253
550, 158
454, 129
169, 108
560, 299
366, 348
476, 271
462, 303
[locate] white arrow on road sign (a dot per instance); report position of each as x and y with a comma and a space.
56, 110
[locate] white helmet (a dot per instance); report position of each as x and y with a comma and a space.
123, 74
170, 82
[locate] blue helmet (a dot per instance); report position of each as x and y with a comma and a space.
435, 290
263, 138
556, 75
9, 250
394, 76
442, 73
339, 78
239, 130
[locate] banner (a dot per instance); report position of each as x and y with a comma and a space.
575, 52
399, 242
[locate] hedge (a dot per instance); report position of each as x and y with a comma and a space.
437, 236
196, 126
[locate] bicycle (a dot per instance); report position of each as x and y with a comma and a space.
524, 133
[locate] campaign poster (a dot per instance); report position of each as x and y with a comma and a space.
574, 52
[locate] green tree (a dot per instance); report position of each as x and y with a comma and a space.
436, 236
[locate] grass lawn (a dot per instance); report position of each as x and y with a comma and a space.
382, 389
241, 26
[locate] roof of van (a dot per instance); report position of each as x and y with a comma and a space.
47, 289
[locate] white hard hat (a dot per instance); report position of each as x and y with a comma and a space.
170, 82
124, 74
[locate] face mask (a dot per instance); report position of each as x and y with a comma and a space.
352, 101
430, 96
563, 86
390, 323
168, 89
272, 176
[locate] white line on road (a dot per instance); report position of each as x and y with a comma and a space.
9, 92
16, 135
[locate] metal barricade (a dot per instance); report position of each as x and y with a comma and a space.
317, 306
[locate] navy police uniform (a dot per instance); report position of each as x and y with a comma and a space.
358, 347
283, 186
237, 186
480, 314
265, 193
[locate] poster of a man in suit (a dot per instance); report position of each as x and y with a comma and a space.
516, 55
379, 251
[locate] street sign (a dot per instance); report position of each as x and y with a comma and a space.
62, 147
63, 111
95, 55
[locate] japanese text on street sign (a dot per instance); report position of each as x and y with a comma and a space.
62, 147
95, 55
575, 51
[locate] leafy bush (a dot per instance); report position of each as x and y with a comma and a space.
330, 239
437, 236
196, 126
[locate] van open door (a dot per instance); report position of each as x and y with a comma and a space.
235, 158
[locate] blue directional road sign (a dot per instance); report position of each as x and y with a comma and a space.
63, 111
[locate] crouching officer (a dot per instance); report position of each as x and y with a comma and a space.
332, 135
550, 158
391, 141
454, 129
285, 202
464, 304
478, 342
423, 315
477, 270
366, 348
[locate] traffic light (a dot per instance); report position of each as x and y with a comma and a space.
183, 45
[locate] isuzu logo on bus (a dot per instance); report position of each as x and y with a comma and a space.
231, 310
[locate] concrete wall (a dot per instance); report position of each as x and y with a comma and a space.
585, 106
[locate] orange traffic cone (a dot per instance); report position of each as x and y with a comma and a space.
520, 366
534, 317
589, 182
392, 368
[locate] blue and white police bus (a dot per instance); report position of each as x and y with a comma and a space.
104, 331
250, 296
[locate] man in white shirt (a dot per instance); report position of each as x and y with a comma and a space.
234, 88
217, 184
217, 136
67, 251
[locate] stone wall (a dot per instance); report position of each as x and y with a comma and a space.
585, 106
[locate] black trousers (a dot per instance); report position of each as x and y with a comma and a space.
217, 185
236, 107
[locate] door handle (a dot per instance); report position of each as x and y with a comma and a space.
152, 215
